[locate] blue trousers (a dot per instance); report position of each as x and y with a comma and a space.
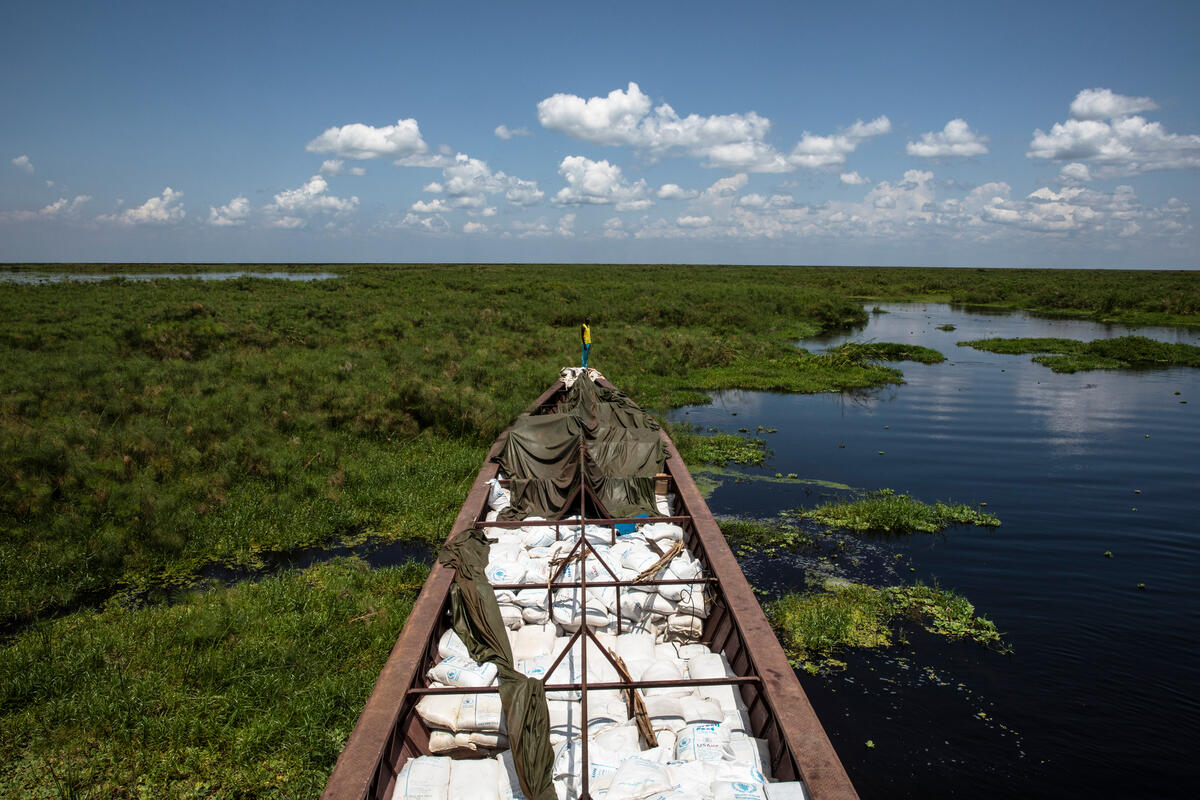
587, 348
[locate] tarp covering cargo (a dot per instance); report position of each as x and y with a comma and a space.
621, 453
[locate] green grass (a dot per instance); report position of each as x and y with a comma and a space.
886, 511
246, 692
816, 627
1073, 355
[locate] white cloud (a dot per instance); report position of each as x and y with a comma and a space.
235, 212
159, 210
693, 222
599, 183
673, 191
854, 179
614, 228
60, 208
356, 171
23, 163
332, 167
467, 182
428, 160
475, 227
523, 193
1105, 104
814, 151
956, 139
359, 141
566, 225
292, 208
435, 206
755, 200
1122, 146
434, 224
1075, 173
506, 133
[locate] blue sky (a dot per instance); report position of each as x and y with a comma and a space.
1030, 134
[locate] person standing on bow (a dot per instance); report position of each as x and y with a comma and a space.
585, 334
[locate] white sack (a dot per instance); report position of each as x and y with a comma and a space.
635, 646
664, 671
532, 641
751, 752
664, 504
498, 496
509, 784
709, 665
450, 645
665, 713
423, 778
440, 711
702, 741
684, 627
481, 712
476, 778
637, 777
501, 572
738, 790
456, 671
661, 531
697, 709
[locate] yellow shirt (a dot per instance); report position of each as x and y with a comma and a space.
587, 333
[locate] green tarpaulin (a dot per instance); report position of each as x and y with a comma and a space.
597, 432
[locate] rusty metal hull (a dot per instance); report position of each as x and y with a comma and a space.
389, 731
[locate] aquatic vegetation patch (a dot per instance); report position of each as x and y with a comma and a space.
718, 449
1073, 355
768, 537
249, 691
815, 627
862, 353
885, 510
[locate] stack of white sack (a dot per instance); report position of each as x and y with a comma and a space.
704, 743
532, 554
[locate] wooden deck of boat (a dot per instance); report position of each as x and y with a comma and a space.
389, 731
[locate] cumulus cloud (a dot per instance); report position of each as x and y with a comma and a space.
853, 179
1106, 104
23, 163
1119, 147
59, 209
435, 206
913, 208
599, 183
359, 141
504, 132
468, 182
475, 227
1075, 173
434, 224
235, 212
336, 166
956, 139
673, 191
814, 151
292, 208
160, 210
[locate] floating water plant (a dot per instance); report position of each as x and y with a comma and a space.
816, 626
885, 510
1072, 355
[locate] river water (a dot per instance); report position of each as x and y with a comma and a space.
1099, 697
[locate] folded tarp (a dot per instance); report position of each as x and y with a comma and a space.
620, 455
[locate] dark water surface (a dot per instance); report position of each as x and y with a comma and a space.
1100, 695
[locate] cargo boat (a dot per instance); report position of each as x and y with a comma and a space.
390, 733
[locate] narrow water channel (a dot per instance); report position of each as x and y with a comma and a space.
1099, 696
